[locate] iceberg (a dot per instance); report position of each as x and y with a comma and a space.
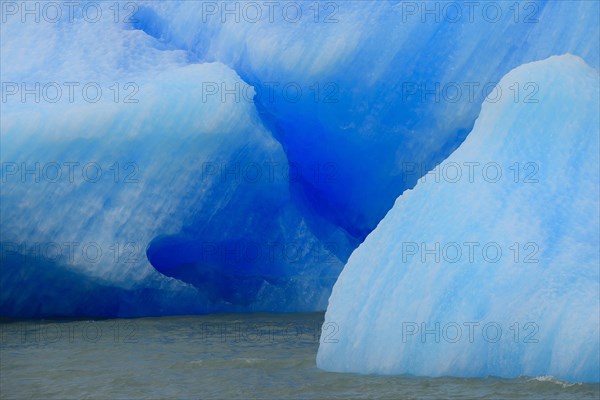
192, 157
489, 266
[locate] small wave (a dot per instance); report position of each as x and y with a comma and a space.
549, 378
250, 360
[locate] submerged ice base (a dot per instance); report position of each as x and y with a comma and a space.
493, 273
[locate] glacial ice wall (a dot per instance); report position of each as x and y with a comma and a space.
489, 266
97, 192
370, 86
242, 160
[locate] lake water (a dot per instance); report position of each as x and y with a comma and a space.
249, 356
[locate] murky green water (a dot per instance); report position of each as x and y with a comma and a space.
250, 356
